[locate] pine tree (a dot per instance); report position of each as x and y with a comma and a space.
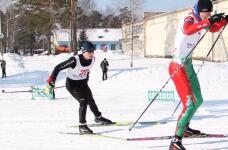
82, 37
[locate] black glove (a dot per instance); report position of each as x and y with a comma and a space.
215, 18
226, 17
51, 85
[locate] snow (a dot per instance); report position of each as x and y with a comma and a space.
27, 124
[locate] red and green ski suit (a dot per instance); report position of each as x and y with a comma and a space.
185, 79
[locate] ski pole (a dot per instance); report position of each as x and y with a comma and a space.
211, 48
24, 91
58, 87
203, 62
175, 71
176, 108
3, 91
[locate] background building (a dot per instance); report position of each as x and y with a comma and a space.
159, 33
138, 38
104, 39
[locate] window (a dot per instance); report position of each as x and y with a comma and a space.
113, 47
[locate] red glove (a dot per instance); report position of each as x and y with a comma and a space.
50, 80
51, 83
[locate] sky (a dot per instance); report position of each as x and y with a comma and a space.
5, 3
158, 5
149, 5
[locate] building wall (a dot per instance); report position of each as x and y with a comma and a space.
138, 38
108, 45
159, 35
160, 32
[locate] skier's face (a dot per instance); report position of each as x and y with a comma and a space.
205, 15
88, 55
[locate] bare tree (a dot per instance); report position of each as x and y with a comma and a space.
137, 6
88, 6
108, 11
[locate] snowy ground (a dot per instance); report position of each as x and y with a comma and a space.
27, 124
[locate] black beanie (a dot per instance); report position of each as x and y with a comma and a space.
205, 6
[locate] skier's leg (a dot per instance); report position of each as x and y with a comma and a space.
82, 111
184, 90
78, 94
5, 72
106, 75
93, 107
91, 102
103, 75
197, 95
195, 86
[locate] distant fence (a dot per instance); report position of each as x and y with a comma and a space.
164, 96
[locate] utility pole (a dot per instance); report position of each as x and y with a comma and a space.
7, 31
1, 36
132, 32
8, 25
73, 27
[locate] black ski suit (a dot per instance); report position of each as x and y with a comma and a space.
104, 66
3, 66
79, 89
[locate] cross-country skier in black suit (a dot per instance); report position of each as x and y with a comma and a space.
76, 83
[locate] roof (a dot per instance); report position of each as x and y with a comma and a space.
104, 34
94, 35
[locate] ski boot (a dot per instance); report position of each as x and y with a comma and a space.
84, 129
188, 132
103, 121
176, 143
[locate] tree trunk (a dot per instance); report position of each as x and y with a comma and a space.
49, 43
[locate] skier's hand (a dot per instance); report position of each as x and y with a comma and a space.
215, 18
49, 88
51, 80
52, 85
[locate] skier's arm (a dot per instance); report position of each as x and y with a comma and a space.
71, 62
88, 76
101, 64
190, 27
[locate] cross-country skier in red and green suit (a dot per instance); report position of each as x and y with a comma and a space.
185, 78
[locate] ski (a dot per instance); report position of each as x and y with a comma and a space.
203, 135
125, 123
94, 135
